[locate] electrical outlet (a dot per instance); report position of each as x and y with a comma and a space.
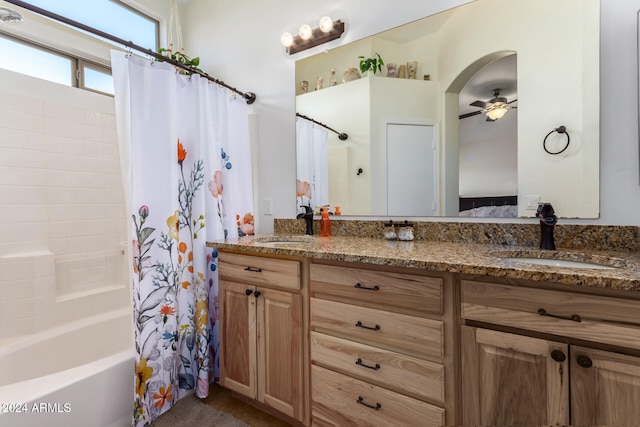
268, 206
532, 202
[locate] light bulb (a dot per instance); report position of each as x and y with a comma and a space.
326, 24
286, 39
305, 32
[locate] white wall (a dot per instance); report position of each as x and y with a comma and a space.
488, 156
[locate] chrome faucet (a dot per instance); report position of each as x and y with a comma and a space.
308, 218
548, 220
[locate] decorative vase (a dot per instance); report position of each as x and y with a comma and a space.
350, 74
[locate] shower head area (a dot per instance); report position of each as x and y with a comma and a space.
10, 16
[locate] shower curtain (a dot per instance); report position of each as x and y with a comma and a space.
312, 180
184, 147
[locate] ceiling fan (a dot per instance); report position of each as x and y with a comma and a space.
495, 108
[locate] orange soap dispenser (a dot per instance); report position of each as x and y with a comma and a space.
325, 224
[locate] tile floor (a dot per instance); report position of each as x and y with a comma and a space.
221, 399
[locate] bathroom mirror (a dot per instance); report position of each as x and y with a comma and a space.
408, 148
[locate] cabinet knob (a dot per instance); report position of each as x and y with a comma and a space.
248, 292
558, 356
257, 294
584, 361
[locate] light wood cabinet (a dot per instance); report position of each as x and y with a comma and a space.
261, 332
382, 347
512, 380
509, 378
605, 388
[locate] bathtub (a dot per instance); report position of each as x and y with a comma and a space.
79, 374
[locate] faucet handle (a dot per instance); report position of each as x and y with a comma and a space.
544, 209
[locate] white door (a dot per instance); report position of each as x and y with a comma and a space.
412, 170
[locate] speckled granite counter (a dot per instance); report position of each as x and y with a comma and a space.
466, 258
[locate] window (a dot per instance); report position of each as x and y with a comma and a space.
95, 77
34, 61
109, 16
113, 17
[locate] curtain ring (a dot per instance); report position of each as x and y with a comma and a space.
560, 129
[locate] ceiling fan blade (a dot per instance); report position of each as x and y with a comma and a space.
490, 119
480, 104
511, 102
464, 116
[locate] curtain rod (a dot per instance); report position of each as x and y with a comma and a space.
249, 97
341, 136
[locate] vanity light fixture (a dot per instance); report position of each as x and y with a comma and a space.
327, 30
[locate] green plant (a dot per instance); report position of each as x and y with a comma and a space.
374, 64
181, 58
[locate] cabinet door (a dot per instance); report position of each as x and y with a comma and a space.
238, 337
605, 388
280, 351
511, 380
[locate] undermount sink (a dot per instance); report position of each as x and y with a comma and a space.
282, 240
560, 259
559, 263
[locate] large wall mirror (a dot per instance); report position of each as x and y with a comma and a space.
435, 145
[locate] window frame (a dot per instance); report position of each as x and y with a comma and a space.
78, 61
82, 64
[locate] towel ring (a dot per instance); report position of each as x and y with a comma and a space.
560, 129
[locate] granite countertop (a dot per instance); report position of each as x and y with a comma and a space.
466, 258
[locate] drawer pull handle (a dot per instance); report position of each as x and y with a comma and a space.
375, 288
257, 294
361, 401
248, 292
359, 362
372, 328
584, 361
574, 317
253, 269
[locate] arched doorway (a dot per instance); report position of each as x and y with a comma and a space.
480, 156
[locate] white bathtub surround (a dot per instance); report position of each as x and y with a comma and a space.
85, 378
184, 145
63, 215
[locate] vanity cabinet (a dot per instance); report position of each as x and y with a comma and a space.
378, 353
547, 357
261, 331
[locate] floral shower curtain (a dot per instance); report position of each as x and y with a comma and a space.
312, 180
185, 155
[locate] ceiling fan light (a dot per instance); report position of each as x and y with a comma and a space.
496, 113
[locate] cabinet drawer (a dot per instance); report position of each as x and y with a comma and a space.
335, 402
600, 319
388, 369
407, 292
259, 270
416, 336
